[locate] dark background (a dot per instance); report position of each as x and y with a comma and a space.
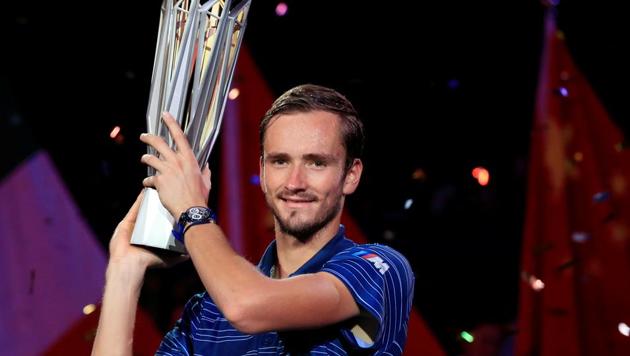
442, 87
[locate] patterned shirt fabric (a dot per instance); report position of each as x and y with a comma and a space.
379, 278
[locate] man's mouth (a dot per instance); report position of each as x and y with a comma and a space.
296, 202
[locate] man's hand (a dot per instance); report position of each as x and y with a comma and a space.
179, 182
121, 250
124, 277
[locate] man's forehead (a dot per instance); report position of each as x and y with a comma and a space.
314, 125
307, 155
301, 134
305, 118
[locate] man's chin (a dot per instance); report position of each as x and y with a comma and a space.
298, 228
295, 225
295, 215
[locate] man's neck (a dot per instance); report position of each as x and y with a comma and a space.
293, 253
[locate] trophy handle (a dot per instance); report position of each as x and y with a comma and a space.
154, 225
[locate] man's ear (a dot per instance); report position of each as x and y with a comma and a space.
261, 174
353, 176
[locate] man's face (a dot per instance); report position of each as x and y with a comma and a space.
302, 171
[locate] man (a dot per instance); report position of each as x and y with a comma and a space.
314, 291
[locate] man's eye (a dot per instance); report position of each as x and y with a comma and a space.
318, 164
278, 162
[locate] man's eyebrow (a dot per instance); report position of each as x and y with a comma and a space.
324, 157
276, 155
320, 157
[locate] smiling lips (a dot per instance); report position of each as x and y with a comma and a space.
296, 200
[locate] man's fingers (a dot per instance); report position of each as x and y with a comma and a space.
180, 140
176, 132
151, 160
149, 182
205, 172
159, 144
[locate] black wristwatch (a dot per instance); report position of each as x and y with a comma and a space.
191, 217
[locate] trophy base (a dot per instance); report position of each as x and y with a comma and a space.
154, 225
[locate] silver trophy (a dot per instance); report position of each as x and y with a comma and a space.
194, 63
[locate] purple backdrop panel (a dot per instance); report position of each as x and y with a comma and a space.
51, 264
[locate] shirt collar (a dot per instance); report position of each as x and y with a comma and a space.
338, 243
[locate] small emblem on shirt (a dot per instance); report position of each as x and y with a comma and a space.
377, 261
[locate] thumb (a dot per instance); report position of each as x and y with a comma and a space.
132, 214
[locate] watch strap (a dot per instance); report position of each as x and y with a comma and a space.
184, 223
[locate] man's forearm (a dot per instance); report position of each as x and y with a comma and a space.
114, 335
231, 280
253, 303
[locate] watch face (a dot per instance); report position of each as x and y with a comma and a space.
197, 214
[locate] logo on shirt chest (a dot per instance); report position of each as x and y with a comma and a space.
376, 260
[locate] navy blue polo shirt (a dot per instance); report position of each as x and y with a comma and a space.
378, 277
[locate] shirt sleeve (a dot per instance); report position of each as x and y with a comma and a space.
178, 341
381, 282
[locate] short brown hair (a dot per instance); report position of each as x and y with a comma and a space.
310, 97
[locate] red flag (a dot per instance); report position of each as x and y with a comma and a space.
245, 216
574, 297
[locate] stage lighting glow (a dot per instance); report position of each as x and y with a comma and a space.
389, 235
453, 84
624, 329
115, 132
578, 156
536, 284
419, 174
234, 93
579, 237
468, 337
482, 175
281, 9
88, 309
563, 91
408, 203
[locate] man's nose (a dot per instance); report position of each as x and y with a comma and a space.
296, 179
